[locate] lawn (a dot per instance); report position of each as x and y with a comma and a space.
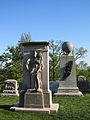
71, 108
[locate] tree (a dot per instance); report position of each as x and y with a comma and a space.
82, 65
88, 68
85, 73
79, 53
11, 66
12, 63
54, 59
25, 37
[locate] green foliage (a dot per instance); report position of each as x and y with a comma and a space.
82, 65
12, 63
84, 73
83, 69
11, 60
26, 37
54, 61
79, 53
71, 108
88, 68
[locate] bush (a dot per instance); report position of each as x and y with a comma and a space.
84, 73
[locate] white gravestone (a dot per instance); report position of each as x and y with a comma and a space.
11, 87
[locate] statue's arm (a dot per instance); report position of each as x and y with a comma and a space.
27, 64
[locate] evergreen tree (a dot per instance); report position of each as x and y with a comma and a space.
11, 62
25, 37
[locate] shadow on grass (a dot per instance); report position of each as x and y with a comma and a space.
5, 107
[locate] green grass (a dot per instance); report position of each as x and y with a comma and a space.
71, 108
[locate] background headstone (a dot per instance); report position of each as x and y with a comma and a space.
83, 85
81, 78
11, 88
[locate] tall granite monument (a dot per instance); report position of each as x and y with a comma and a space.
68, 84
35, 95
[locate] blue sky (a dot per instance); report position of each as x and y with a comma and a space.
67, 20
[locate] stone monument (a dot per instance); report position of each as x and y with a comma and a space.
68, 83
35, 95
10, 88
83, 84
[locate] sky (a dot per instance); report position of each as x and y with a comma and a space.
66, 20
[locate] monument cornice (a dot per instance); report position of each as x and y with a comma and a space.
35, 43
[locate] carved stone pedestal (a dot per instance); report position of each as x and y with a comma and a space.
68, 91
33, 99
67, 84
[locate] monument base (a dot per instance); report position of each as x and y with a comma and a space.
68, 91
36, 102
7, 93
47, 99
33, 99
53, 109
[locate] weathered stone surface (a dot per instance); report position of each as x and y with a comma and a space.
21, 98
10, 88
69, 94
81, 78
53, 109
47, 99
68, 83
33, 100
28, 80
83, 85
35, 96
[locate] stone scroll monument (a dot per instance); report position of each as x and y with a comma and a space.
35, 95
68, 84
